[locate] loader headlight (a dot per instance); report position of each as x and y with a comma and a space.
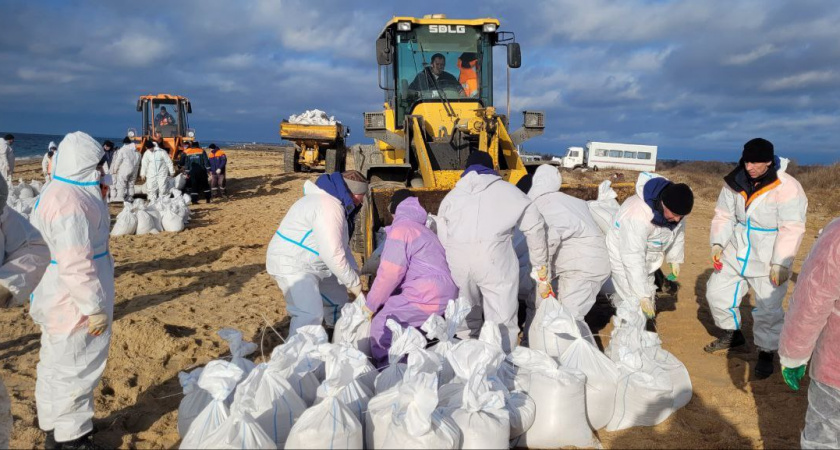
131, 133
489, 27
534, 119
403, 26
374, 121
191, 133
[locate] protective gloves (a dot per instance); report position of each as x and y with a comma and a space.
648, 307
717, 252
542, 273
219, 171
6, 297
675, 272
97, 324
793, 376
779, 274
545, 290
356, 290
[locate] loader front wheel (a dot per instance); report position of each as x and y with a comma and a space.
291, 160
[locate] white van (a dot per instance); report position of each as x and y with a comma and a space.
610, 155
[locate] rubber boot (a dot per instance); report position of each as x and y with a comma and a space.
764, 366
83, 443
729, 340
49, 441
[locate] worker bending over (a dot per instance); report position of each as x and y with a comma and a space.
577, 248
479, 217
757, 229
647, 230
309, 255
413, 279
74, 303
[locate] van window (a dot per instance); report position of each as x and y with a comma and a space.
643, 155
630, 154
574, 154
600, 152
615, 153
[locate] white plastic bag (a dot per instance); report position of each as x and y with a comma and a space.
604, 208
172, 221
444, 329
219, 378
481, 416
415, 423
554, 329
328, 424
642, 399
297, 360
145, 223
601, 380
239, 349
194, 401
560, 396
126, 222
239, 430
349, 378
353, 327
271, 401
403, 342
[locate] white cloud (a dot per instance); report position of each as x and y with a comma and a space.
133, 49
44, 76
235, 61
801, 80
749, 57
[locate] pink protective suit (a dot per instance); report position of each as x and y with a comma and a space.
413, 280
812, 324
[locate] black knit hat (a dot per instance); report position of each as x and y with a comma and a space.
195, 144
758, 150
149, 144
397, 198
9, 137
127, 140
108, 144
678, 198
480, 158
524, 183
213, 146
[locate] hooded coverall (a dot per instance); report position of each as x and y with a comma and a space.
309, 255
812, 332
755, 233
479, 215
25, 257
124, 171
413, 280
156, 169
577, 247
637, 247
79, 282
7, 160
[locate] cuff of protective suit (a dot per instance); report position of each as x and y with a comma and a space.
792, 362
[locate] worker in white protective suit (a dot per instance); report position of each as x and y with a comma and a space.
647, 230
756, 231
7, 157
74, 303
156, 168
46, 163
124, 171
309, 255
25, 257
527, 294
577, 247
480, 214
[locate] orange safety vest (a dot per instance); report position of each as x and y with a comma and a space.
468, 77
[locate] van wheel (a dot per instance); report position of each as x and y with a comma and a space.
595, 168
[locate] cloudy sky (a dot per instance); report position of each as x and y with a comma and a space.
697, 78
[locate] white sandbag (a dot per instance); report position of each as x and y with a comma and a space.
383, 405
601, 380
194, 401
239, 349
179, 182
353, 327
349, 377
560, 396
415, 423
444, 329
36, 185
328, 424
154, 211
219, 378
681, 388
145, 223
271, 402
126, 222
554, 329
481, 417
172, 221
240, 430
298, 362
522, 411
642, 399
403, 342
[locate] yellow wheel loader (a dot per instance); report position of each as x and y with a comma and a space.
437, 75
315, 146
164, 119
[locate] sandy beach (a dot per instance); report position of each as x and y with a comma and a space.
175, 290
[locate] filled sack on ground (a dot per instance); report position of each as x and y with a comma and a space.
219, 378
554, 329
403, 342
602, 376
481, 416
240, 430
349, 378
126, 222
298, 362
194, 401
239, 348
353, 327
444, 329
415, 422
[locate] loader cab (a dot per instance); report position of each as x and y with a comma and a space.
164, 118
435, 60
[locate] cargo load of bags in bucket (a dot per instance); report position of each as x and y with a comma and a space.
24, 196
164, 214
444, 393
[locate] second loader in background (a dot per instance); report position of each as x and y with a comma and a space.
316, 146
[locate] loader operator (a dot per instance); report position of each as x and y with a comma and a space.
163, 118
434, 79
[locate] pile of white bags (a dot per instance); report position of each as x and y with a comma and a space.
403, 342
164, 214
23, 197
313, 117
444, 330
219, 378
553, 329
